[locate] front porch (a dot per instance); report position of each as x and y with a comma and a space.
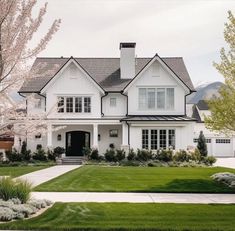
74, 137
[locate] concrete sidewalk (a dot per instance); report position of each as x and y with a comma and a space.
41, 176
136, 197
225, 162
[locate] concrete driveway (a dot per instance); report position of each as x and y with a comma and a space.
225, 162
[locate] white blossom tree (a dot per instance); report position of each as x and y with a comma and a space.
18, 28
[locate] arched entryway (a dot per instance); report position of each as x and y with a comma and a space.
76, 141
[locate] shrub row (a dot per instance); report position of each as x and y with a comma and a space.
40, 154
163, 155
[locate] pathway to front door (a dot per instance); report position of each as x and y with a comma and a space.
44, 175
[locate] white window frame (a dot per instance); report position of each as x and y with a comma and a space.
73, 102
149, 138
223, 141
143, 103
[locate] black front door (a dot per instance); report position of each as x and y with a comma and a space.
76, 141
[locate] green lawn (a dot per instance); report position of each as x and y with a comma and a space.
19, 170
125, 216
137, 179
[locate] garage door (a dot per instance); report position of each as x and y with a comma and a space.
223, 148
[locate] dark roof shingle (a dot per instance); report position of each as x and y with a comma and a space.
105, 71
202, 105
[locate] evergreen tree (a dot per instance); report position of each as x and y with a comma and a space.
201, 145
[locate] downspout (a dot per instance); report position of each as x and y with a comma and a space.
44, 98
26, 101
101, 103
26, 105
128, 135
127, 102
190, 92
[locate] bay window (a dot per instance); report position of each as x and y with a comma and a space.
156, 98
158, 139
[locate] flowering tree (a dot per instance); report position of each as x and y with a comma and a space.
17, 29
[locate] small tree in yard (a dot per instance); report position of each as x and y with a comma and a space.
201, 145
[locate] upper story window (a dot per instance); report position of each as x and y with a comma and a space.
74, 104
156, 98
113, 102
38, 103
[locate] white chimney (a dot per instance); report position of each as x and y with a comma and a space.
127, 60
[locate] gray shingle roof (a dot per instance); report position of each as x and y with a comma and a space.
202, 105
105, 71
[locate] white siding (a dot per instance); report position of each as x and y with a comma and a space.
156, 76
73, 83
31, 108
183, 134
119, 110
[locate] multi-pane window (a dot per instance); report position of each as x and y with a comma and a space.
170, 101
160, 98
78, 104
145, 139
60, 107
156, 98
69, 104
87, 104
154, 139
74, 104
162, 139
158, 139
171, 138
195, 140
222, 141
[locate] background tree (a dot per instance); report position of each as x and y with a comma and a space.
222, 118
18, 28
201, 145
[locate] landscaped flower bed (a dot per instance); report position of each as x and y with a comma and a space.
15, 202
13, 209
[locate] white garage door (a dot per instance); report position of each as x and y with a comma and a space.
223, 147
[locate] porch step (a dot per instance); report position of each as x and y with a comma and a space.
73, 160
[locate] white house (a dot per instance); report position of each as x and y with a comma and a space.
129, 102
218, 144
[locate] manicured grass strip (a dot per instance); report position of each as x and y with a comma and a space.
125, 216
137, 179
19, 170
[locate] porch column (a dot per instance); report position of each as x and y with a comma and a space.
95, 136
49, 136
125, 145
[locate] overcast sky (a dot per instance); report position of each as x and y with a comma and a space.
94, 28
